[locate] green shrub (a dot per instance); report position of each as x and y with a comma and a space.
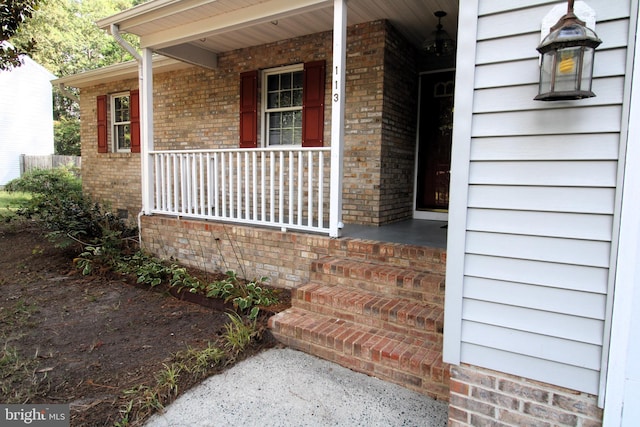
58, 181
59, 206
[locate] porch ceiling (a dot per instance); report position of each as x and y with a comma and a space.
223, 25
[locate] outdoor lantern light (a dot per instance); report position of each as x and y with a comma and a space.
567, 52
439, 43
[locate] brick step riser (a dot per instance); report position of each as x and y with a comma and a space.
423, 291
422, 258
429, 331
418, 367
366, 308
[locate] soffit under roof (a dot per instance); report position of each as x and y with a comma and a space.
225, 25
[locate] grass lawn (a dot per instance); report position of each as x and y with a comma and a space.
12, 201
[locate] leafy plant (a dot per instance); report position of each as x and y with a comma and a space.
245, 296
238, 334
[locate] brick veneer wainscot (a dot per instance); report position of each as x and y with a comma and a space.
482, 397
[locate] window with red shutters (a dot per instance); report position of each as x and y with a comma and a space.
128, 128
291, 116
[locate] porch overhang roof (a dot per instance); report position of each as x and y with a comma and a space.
187, 29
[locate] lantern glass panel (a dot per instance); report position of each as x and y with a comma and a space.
568, 63
546, 72
587, 69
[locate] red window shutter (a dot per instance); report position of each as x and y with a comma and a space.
249, 109
313, 104
102, 124
134, 107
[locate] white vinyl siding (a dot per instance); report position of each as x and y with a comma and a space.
536, 212
26, 116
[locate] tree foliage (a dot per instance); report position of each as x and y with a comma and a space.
13, 15
69, 41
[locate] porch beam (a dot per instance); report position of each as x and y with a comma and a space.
234, 20
192, 55
337, 114
146, 130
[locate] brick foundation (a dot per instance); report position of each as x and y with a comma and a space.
284, 257
481, 397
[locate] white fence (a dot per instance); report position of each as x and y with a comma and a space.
279, 187
28, 163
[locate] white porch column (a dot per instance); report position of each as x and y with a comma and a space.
146, 130
337, 114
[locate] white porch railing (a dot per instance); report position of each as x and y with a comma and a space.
286, 188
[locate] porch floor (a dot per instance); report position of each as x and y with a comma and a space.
411, 232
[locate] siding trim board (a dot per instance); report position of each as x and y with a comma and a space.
537, 202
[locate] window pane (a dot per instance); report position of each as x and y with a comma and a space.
285, 81
287, 119
274, 120
273, 83
274, 101
274, 137
121, 107
285, 99
297, 119
287, 136
297, 98
297, 136
297, 80
123, 137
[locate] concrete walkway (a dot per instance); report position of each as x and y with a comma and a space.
284, 387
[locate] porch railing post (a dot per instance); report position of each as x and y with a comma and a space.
337, 115
146, 131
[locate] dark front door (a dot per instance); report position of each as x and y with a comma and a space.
434, 141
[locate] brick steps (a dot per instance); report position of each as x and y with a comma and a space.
395, 357
404, 282
368, 308
371, 316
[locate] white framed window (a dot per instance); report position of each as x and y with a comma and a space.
121, 122
282, 100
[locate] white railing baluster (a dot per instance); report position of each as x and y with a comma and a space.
209, 183
223, 178
320, 189
300, 185
216, 185
157, 200
239, 186
175, 182
291, 192
254, 163
281, 189
277, 186
202, 188
263, 192
272, 186
232, 202
310, 189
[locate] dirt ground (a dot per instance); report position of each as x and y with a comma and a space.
83, 339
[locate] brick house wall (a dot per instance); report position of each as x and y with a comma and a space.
482, 397
111, 178
197, 108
